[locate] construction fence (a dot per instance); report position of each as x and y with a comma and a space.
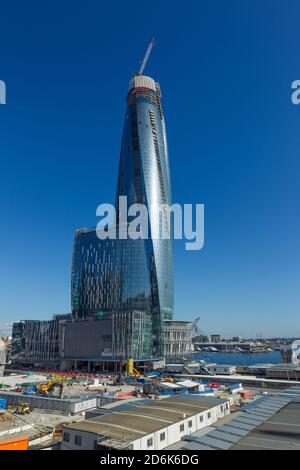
66, 407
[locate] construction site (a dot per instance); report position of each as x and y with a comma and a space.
63, 409
116, 373
34, 406
57, 410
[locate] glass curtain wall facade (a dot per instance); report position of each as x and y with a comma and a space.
144, 177
96, 278
108, 276
126, 275
35, 341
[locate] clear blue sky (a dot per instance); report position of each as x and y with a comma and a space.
225, 68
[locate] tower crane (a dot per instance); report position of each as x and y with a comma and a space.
146, 57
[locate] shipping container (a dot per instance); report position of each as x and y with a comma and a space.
20, 443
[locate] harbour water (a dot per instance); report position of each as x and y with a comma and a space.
273, 357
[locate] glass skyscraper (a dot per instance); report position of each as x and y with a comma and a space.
132, 275
122, 289
144, 177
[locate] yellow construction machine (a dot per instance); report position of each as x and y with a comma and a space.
22, 408
46, 388
169, 379
131, 370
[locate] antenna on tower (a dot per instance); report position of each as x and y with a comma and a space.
146, 57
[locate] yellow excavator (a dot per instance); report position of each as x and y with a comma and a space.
46, 388
135, 373
22, 408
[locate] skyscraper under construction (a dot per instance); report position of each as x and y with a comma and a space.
127, 275
122, 289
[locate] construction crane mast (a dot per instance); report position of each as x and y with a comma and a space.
195, 326
146, 57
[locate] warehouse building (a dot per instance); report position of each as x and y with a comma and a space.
284, 371
145, 424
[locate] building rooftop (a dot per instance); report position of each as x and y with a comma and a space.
267, 423
281, 431
220, 366
260, 366
285, 366
188, 384
123, 425
170, 385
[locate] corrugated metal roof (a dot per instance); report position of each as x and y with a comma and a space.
225, 436
272, 435
127, 423
234, 430
213, 442
196, 446
263, 410
254, 404
199, 433
280, 402
241, 425
258, 415
270, 407
204, 399
268, 423
197, 436
246, 420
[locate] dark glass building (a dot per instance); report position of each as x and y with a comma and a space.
132, 275
108, 276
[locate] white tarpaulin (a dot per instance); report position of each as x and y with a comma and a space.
170, 385
188, 384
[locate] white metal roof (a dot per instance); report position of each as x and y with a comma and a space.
188, 384
169, 385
